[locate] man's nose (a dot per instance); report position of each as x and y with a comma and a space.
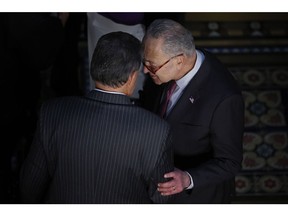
145, 70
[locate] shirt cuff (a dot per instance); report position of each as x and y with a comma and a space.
191, 180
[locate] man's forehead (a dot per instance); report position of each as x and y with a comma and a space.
153, 42
153, 50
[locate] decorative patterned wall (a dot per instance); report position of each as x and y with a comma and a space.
265, 158
254, 46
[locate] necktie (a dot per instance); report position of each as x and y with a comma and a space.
171, 88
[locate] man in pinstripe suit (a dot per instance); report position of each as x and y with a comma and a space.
99, 148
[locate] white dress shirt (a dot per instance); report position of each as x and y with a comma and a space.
181, 85
183, 82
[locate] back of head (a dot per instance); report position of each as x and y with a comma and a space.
116, 56
176, 38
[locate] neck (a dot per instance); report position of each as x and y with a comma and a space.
101, 86
189, 64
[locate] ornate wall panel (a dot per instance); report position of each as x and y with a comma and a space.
254, 46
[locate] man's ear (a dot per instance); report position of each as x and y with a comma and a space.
180, 60
135, 75
132, 82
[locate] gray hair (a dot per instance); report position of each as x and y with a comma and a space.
177, 39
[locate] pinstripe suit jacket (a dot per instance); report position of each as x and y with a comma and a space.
96, 149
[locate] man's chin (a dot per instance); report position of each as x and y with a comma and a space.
156, 80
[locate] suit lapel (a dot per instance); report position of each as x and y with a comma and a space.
192, 93
187, 100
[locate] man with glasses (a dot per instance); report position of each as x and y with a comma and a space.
202, 102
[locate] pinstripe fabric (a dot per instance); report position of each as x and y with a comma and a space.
96, 149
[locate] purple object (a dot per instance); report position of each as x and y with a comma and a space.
125, 18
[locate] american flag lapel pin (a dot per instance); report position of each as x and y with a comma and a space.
191, 100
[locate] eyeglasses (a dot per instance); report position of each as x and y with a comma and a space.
154, 70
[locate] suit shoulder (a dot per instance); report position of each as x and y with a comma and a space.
56, 103
151, 117
220, 76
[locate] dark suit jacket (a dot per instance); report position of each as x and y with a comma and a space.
97, 149
207, 127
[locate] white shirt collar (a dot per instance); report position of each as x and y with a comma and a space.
109, 92
183, 82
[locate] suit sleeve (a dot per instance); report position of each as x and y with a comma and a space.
34, 176
227, 128
164, 165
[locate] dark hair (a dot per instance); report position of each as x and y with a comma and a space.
115, 57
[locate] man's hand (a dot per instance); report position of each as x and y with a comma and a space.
180, 180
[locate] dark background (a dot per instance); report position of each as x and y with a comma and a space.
43, 57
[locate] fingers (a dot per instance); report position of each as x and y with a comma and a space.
168, 184
168, 188
170, 175
174, 185
168, 191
